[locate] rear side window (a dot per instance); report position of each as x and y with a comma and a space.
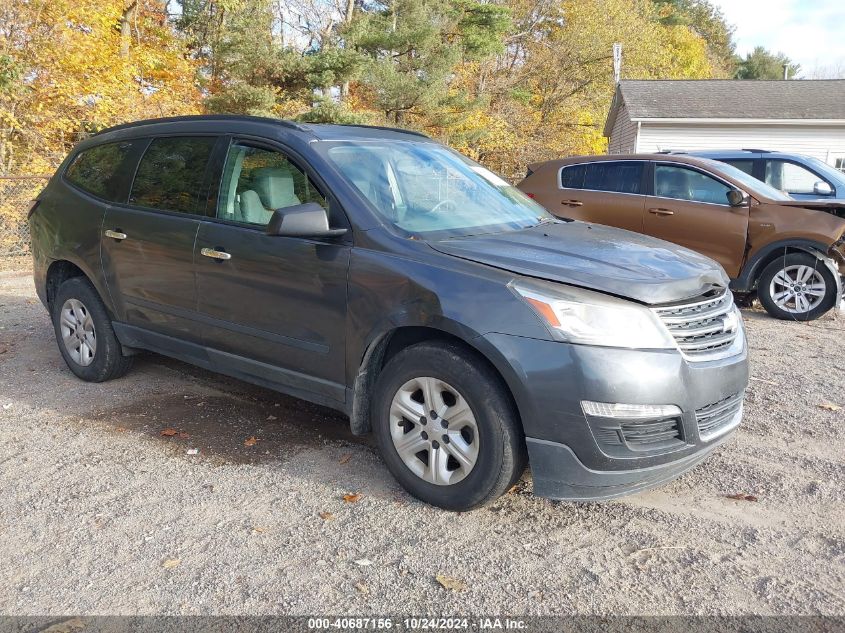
619, 177
171, 173
746, 165
98, 170
572, 177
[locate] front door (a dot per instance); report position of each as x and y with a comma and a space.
605, 192
147, 246
690, 207
273, 308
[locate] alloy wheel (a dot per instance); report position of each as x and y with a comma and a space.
434, 431
78, 333
798, 288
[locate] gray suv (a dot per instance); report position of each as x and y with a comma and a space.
379, 273
802, 177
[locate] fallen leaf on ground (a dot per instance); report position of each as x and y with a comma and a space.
121, 429
271, 417
829, 406
361, 587
363, 562
326, 516
452, 584
259, 529
170, 563
251, 441
344, 458
353, 497
169, 432
184, 435
741, 496
68, 626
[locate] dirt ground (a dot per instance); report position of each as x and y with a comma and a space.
102, 514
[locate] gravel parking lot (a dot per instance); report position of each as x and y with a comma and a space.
243, 511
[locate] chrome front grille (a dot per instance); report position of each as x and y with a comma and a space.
719, 417
703, 328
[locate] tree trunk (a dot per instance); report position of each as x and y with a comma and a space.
347, 18
126, 26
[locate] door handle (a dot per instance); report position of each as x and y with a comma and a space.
115, 235
661, 211
216, 254
572, 203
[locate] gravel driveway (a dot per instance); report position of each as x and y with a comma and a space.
243, 511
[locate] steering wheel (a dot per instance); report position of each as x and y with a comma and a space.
440, 206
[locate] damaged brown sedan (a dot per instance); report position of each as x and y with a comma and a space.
789, 252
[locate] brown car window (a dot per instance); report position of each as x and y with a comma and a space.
572, 177
681, 183
619, 177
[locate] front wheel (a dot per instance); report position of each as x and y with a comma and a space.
445, 427
797, 286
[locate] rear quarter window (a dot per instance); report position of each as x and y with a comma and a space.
98, 170
572, 177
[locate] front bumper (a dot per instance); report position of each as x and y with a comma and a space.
579, 457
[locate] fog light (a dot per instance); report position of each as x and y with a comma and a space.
629, 411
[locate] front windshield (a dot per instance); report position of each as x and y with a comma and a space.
749, 181
425, 188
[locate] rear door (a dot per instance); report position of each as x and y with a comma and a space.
273, 308
147, 245
605, 192
690, 207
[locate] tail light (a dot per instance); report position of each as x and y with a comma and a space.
530, 195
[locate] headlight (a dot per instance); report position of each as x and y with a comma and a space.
591, 318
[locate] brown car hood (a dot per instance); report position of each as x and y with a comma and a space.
597, 257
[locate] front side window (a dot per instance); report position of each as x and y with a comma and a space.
790, 177
258, 181
681, 183
425, 188
619, 177
98, 170
171, 173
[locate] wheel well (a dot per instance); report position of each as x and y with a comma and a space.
58, 273
386, 347
787, 249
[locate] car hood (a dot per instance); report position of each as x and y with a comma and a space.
597, 257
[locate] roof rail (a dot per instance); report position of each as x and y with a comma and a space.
202, 117
757, 151
671, 151
382, 127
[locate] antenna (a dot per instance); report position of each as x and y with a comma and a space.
617, 62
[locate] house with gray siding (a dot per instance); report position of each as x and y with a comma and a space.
800, 116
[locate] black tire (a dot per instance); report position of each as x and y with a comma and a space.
501, 455
107, 361
791, 260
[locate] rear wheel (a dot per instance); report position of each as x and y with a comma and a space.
797, 286
84, 333
445, 427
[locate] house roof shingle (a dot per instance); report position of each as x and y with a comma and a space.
731, 99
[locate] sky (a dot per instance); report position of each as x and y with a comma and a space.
810, 32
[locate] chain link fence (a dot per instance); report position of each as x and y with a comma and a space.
16, 192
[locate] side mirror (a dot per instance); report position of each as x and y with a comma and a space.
821, 188
737, 198
302, 220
